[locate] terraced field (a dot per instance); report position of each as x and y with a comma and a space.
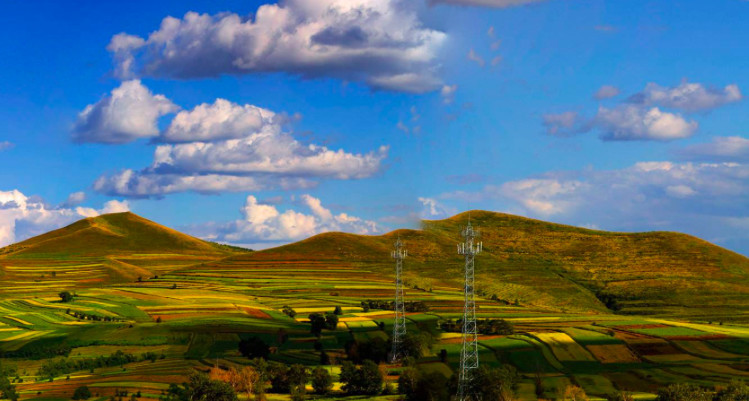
191, 310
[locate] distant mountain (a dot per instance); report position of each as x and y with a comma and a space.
123, 246
554, 266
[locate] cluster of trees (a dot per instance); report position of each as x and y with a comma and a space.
255, 380
736, 391
319, 322
7, 389
58, 367
38, 350
376, 349
361, 380
483, 326
409, 306
200, 387
97, 318
415, 383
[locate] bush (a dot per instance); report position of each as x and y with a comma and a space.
82, 393
683, 392
322, 382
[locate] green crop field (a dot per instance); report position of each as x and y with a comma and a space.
177, 304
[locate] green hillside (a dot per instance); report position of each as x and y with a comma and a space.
109, 248
554, 266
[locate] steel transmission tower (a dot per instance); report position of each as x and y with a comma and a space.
469, 356
399, 326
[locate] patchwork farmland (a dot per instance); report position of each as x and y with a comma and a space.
152, 312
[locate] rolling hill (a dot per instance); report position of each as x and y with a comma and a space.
553, 266
526, 262
100, 250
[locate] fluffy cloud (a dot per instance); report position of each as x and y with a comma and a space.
690, 97
129, 112
264, 223
220, 120
641, 117
228, 147
722, 148
606, 92
379, 42
487, 3
629, 122
22, 217
4, 145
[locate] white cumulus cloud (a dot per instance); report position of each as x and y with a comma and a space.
379, 42
264, 223
229, 147
128, 113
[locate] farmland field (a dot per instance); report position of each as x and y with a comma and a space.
179, 310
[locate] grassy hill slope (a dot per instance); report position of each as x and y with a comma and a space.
553, 266
109, 248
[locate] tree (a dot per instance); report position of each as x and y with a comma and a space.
279, 379
497, 383
317, 323
434, 386
322, 382
408, 382
254, 347
289, 311
338, 310
66, 296
7, 390
298, 375
683, 392
364, 380
82, 393
331, 321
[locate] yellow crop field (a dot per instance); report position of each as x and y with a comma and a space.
564, 347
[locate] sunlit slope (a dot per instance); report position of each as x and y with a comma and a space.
554, 266
109, 248
116, 232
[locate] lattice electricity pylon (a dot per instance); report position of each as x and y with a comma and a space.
399, 325
469, 355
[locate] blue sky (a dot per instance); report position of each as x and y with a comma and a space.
375, 113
